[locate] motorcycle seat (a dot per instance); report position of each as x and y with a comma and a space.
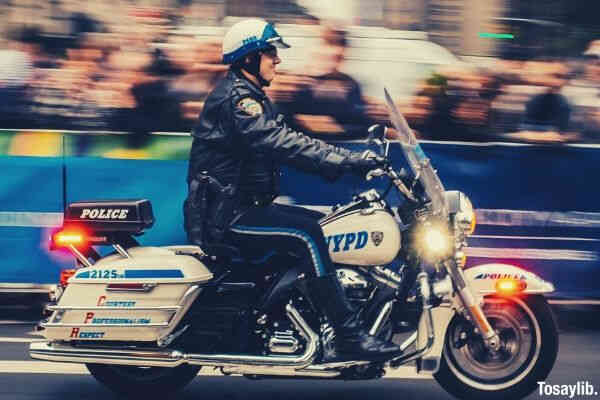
223, 253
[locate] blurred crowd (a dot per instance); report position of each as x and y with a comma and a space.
146, 76
136, 79
545, 100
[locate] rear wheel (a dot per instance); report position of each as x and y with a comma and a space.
529, 345
143, 381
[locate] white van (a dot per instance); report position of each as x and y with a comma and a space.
376, 57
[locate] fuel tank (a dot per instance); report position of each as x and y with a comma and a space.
360, 234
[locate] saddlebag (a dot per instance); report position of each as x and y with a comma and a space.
140, 298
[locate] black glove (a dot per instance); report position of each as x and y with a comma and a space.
362, 163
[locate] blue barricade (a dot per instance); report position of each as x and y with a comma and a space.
536, 205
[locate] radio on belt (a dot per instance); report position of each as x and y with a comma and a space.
105, 216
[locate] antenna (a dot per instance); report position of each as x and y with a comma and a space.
64, 174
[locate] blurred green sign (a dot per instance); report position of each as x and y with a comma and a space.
496, 35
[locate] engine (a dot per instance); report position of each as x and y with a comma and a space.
358, 286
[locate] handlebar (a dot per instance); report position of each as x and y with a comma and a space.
396, 179
377, 136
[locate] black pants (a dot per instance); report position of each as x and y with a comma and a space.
276, 228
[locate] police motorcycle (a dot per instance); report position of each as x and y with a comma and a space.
145, 320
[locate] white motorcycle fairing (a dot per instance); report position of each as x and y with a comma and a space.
140, 298
483, 278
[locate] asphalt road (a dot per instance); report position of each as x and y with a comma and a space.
24, 379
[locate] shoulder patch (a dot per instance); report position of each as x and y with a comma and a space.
250, 106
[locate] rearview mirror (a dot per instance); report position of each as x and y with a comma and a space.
377, 134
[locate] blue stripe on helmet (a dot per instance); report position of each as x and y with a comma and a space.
252, 44
269, 32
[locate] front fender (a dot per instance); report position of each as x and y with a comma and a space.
482, 279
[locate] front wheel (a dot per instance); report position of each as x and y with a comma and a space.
529, 345
143, 381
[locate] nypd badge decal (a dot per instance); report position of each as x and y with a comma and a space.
250, 106
377, 237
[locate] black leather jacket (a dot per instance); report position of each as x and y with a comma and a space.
228, 134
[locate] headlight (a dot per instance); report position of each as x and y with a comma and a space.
465, 217
433, 241
436, 241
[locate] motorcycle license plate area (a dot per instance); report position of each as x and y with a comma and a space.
127, 299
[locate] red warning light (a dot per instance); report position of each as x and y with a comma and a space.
71, 236
510, 286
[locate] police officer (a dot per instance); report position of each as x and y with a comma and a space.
240, 142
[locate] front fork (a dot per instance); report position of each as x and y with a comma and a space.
472, 308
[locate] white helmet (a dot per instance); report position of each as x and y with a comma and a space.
248, 36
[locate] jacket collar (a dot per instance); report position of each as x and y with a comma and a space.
235, 74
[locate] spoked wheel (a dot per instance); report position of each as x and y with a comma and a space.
143, 381
528, 349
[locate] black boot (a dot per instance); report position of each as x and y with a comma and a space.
352, 340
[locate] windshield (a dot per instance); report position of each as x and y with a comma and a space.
418, 161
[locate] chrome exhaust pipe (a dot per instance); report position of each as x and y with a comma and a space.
66, 353
330, 370
241, 361
171, 358
258, 371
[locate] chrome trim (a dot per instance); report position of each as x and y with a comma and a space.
351, 279
409, 341
186, 249
146, 287
283, 342
82, 259
426, 320
82, 325
383, 316
65, 353
329, 370
336, 365
443, 287
305, 372
388, 274
168, 339
403, 359
103, 308
184, 304
430, 363
62, 352
472, 308
121, 250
